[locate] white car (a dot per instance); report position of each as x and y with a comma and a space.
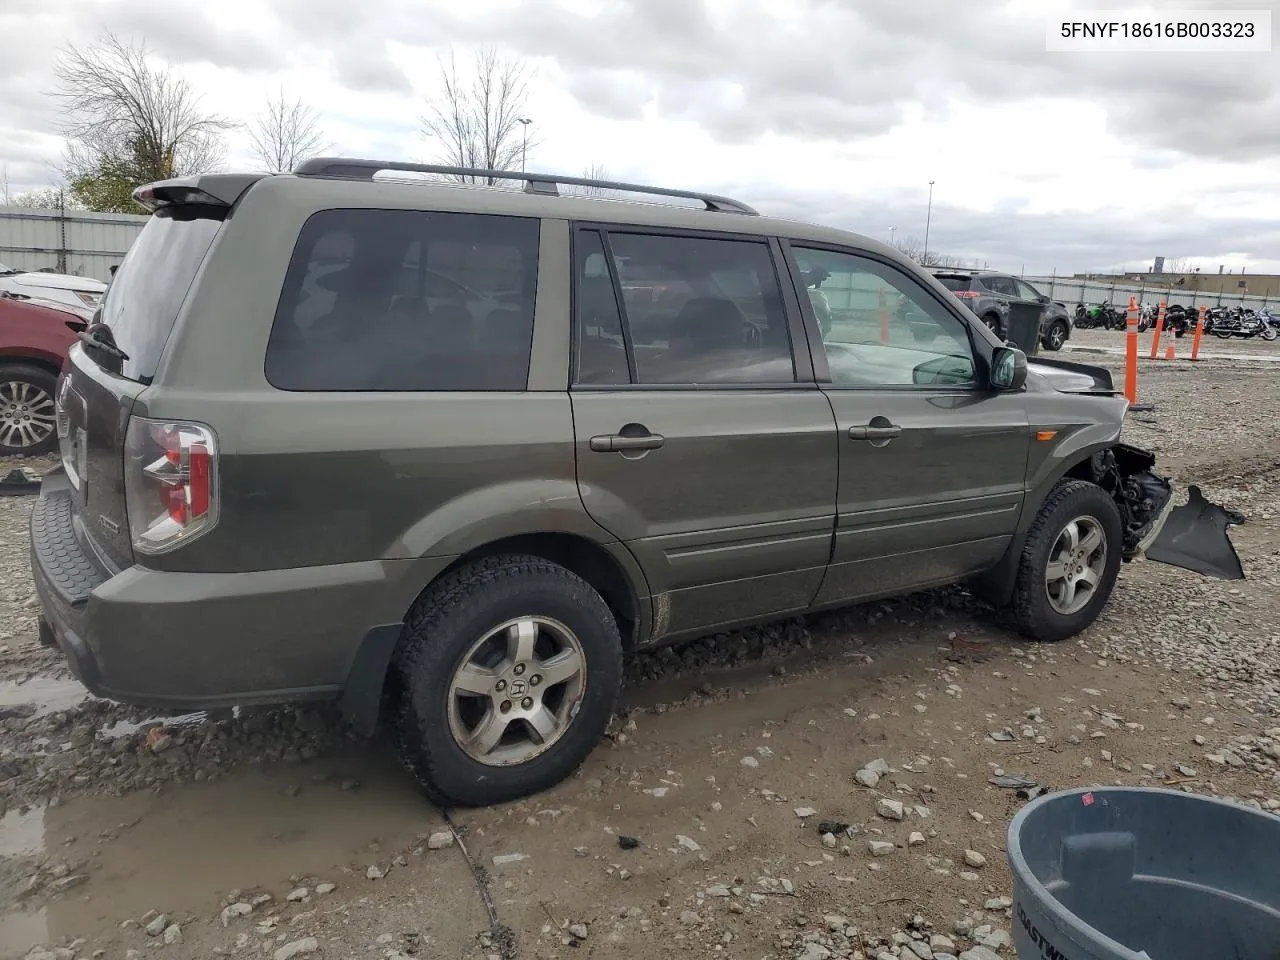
59, 287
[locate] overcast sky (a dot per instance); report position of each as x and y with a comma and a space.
839, 111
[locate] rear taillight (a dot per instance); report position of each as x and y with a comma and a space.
967, 294
171, 482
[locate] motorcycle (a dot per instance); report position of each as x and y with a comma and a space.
1178, 320
1232, 323
1147, 315
1271, 328
1100, 315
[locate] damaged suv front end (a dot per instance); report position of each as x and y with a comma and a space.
1076, 417
1144, 497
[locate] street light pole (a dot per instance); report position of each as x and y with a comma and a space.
892, 230
524, 143
928, 218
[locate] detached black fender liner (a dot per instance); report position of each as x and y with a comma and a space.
1195, 538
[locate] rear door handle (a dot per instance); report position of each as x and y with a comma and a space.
618, 443
875, 433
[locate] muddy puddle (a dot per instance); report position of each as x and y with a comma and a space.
180, 850
39, 696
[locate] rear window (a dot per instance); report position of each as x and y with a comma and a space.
408, 301
955, 284
143, 299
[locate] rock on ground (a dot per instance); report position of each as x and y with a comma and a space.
297, 948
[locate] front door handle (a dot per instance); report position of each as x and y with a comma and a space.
875, 433
619, 443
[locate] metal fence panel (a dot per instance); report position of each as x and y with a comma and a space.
71, 241
1072, 291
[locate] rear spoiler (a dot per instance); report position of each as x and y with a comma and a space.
213, 189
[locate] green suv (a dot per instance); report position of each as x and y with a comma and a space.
446, 452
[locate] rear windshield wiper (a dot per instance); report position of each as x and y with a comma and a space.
94, 338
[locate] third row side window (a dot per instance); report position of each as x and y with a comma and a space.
697, 311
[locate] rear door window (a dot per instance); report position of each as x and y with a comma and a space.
698, 310
146, 293
406, 300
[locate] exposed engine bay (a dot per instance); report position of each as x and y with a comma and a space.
1193, 536
1125, 473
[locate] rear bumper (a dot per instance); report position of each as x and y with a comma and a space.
205, 640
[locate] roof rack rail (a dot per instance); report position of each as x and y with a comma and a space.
541, 183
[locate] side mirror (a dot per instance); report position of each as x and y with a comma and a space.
1043, 298
1008, 368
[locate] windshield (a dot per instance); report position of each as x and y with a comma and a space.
142, 302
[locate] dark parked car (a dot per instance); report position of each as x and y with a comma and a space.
34, 339
988, 294
456, 507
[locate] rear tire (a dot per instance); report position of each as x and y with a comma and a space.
1056, 336
1041, 609
993, 324
439, 723
27, 424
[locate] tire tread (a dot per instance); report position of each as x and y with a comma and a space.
1028, 605
474, 583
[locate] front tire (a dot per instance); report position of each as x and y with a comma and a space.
28, 427
1069, 562
506, 676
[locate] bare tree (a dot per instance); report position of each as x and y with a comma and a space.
286, 133
128, 121
476, 121
597, 171
1178, 265
913, 249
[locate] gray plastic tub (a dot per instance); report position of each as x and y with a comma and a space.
1130, 873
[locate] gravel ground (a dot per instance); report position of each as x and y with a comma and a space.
276, 833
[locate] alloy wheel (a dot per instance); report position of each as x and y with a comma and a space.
26, 414
1077, 560
516, 691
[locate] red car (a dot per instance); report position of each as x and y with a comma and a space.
34, 340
